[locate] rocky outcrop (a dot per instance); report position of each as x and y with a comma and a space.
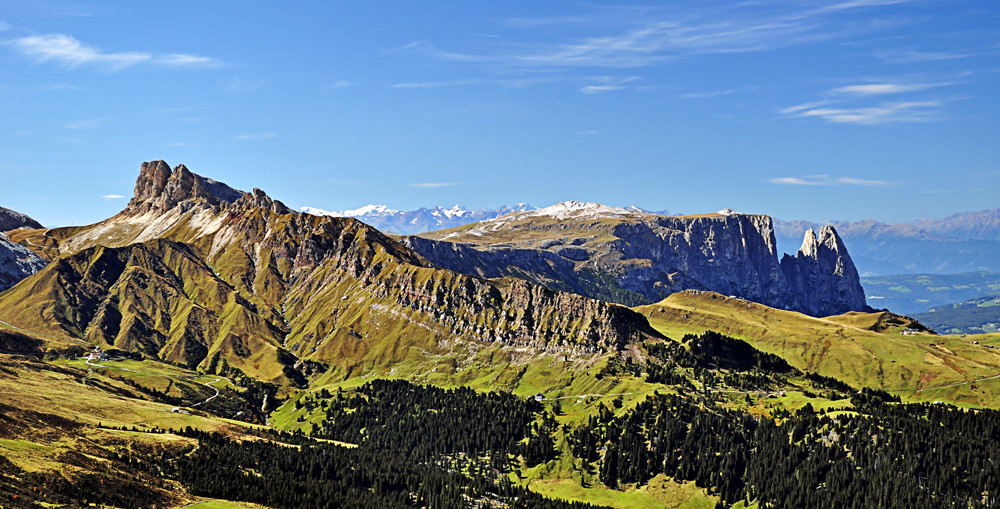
16, 263
159, 189
822, 276
11, 219
634, 258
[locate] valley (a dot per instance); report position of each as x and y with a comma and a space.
212, 347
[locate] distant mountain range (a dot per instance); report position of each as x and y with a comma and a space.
409, 222
412, 222
967, 242
974, 316
631, 257
916, 293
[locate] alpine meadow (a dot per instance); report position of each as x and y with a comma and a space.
499, 255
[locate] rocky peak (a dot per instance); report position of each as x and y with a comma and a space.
822, 275
159, 189
810, 246
258, 198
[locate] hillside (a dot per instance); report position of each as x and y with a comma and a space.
921, 367
632, 257
197, 273
917, 293
974, 316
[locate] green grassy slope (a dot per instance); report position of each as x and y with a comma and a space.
920, 367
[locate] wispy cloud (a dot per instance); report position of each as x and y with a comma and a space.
710, 94
93, 123
601, 84
254, 136
629, 37
112, 196
67, 50
434, 84
797, 181
70, 52
863, 182
345, 84
909, 57
4, 26
885, 112
182, 60
434, 184
886, 88
428, 49
853, 104
826, 180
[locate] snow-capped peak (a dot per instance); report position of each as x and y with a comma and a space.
566, 210
367, 210
452, 213
573, 208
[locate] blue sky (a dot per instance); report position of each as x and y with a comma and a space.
847, 109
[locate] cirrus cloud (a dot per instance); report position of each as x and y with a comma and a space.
826, 180
70, 52
431, 185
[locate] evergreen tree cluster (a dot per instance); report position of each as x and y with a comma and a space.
426, 422
891, 455
318, 475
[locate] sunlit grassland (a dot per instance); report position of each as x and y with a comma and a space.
918, 367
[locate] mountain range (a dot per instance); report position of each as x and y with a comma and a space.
198, 273
490, 364
964, 242
422, 220
961, 242
419, 220
633, 257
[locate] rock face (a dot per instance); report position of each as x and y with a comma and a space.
195, 272
966, 242
633, 258
159, 189
11, 219
822, 276
16, 263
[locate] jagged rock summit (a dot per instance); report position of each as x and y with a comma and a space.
822, 275
632, 257
160, 189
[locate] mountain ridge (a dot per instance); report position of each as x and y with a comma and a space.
327, 290
633, 257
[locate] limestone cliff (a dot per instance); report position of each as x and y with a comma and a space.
822, 276
633, 258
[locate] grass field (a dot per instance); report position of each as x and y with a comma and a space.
919, 367
661, 492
